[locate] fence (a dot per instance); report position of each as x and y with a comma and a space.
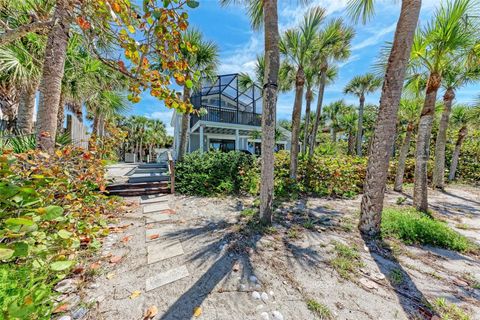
78, 132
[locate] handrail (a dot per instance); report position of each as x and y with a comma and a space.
171, 170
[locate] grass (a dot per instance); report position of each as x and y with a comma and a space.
248, 212
319, 309
414, 227
396, 277
449, 311
347, 260
309, 224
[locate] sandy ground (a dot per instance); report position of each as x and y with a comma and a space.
235, 275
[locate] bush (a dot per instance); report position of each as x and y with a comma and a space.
211, 173
50, 212
414, 227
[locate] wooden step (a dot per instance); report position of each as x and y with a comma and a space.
142, 185
138, 192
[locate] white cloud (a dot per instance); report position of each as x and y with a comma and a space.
242, 58
165, 116
376, 38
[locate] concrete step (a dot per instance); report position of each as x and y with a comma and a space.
148, 170
152, 165
148, 177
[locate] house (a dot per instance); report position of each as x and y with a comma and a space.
230, 118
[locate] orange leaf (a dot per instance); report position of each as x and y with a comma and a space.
150, 313
153, 236
115, 259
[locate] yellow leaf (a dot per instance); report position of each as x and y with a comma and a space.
110, 276
131, 29
150, 312
135, 294
197, 311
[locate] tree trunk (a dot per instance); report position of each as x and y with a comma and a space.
61, 114
439, 169
96, 123
296, 119
53, 69
360, 125
422, 149
140, 151
26, 109
351, 143
402, 158
182, 149
382, 140
333, 132
270, 87
308, 102
9, 103
462, 133
321, 92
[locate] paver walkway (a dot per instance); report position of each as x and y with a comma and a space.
156, 210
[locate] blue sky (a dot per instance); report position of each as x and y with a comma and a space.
230, 28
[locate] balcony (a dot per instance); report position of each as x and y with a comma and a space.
226, 101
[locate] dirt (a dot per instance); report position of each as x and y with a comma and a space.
230, 272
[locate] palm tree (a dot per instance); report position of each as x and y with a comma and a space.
265, 13
348, 122
384, 134
296, 45
361, 86
333, 113
53, 68
409, 114
203, 61
462, 116
461, 73
332, 45
436, 47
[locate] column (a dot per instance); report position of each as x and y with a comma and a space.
237, 140
201, 138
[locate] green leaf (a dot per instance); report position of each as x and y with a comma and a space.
64, 234
21, 249
193, 4
52, 212
19, 221
6, 253
189, 83
61, 265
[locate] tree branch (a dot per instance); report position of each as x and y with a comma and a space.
13, 34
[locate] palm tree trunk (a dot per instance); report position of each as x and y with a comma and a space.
61, 114
26, 109
321, 92
333, 132
462, 133
270, 87
9, 104
360, 125
96, 123
308, 102
296, 118
351, 143
422, 149
402, 158
182, 150
379, 155
53, 69
440, 143
140, 151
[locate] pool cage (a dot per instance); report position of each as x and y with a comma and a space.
226, 101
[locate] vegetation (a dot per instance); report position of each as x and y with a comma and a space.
319, 309
346, 261
50, 214
414, 227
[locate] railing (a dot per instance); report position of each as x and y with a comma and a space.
171, 170
216, 114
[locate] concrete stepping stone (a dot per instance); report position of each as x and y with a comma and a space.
166, 277
157, 233
161, 250
155, 207
157, 217
154, 199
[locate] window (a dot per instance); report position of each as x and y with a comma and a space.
222, 145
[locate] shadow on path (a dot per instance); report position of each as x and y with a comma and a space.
410, 297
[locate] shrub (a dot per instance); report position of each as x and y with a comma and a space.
211, 173
50, 211
414, 227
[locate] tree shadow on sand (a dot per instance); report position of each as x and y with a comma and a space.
412, 300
